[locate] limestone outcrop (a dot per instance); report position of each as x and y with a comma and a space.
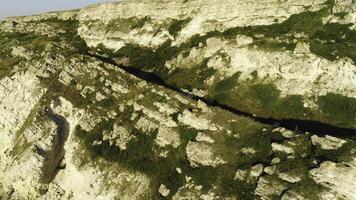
167, 100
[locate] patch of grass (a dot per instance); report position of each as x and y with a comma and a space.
6, 66
265, 94
293, 105
250, 135
334, 41
331, 40
125, 25
194, 76
266, 97
272, 45
307, 22
139, 156
38, 43
308, 189
223, 90
57, 89
227, 84
342, 154
22, 144
260, 98
338, 108
178, 25
341, 14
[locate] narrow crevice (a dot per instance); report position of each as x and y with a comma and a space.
282, 193
314, 127
56, 155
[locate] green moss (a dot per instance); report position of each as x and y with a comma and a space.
343, 154
194, 76
125, 25
21, 144
222, 90
338, 108
267, 96
139, 156
293, 105
6, 66
228, 84
57, 89
308, 189
333, 41
177, 25
38, 43
259, 98
273, 45
341, 14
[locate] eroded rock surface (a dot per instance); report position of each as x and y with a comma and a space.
296, 62
74, 125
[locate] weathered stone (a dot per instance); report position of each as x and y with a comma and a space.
338, 178
75, 125
200, 154
327, 142
270, 187
163, 190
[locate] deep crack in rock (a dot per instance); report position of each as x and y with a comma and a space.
56, 156
291, 124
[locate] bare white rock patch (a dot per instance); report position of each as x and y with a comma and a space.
328, 142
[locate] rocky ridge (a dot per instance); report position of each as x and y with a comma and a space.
77, 127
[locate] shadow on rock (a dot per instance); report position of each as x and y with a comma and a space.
54, 157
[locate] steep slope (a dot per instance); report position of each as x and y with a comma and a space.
74, 125
281, 59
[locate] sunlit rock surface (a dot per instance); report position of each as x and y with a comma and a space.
282, 59
75, 123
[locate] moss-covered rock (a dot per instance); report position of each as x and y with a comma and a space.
74, 125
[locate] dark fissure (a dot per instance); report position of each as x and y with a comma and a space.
291, 124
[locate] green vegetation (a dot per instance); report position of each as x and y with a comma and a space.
58, 89
338, 108
194, 76
139, 156
333, 41
22, 144
7, 60
330, 40
222, 91
6, 66
267, 96
343, 154
227, 84
38, 43
262, 99
70, 35
125, 25
308, 189
341, 14
177, 25
141, 152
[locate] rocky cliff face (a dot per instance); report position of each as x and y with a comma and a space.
170, 100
